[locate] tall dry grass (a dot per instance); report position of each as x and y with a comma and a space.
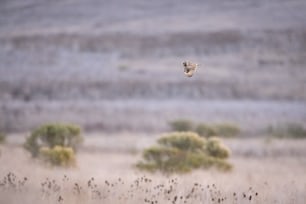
109, 177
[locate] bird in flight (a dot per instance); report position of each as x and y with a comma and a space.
189, 68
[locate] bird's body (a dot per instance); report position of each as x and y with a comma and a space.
189, 68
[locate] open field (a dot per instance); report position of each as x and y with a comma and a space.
115, 69
275, 170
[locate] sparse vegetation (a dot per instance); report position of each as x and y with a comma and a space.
215, 148
55, 144
206, 130
227, 129
182, 125
219, 129
290, 130
107, 177
139, 190
51, 135
181, 152
116, 69
2, 138
58, 156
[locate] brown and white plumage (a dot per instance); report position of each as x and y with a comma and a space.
189, 68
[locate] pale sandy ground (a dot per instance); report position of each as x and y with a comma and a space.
275, 169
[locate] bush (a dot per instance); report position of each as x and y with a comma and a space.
227, 129
58, 156
2, 138
206, 130
221, 129
181, 125
52, 135
181, 152
215, 148
290, 130
186, 141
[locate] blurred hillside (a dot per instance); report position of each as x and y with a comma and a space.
116, 65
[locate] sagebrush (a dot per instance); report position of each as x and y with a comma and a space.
51, 135
181, 152
58, 156
289, 130
2, 138
205, 129
182, 125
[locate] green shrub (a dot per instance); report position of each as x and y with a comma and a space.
58, 156
215, 148
206, 130
290, 130
221, 129
227, 129
186, 141
2, 138
51, 135
181, 125
181, 152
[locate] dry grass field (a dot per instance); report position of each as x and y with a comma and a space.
114, 68
264, 172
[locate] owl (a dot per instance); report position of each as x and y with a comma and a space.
189, 68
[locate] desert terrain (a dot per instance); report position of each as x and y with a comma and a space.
115, 69
268, 171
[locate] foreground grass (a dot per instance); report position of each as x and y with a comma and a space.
108, 177
142, 189
14, 189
